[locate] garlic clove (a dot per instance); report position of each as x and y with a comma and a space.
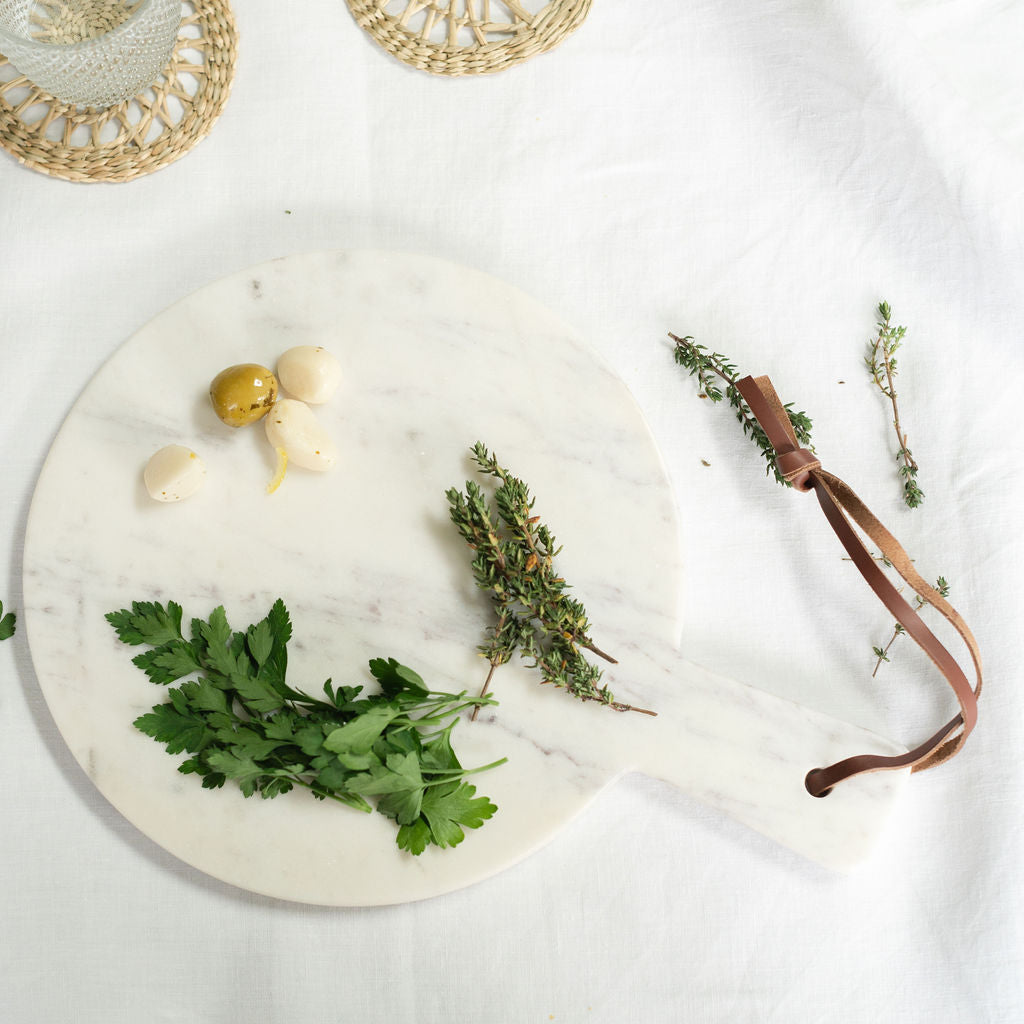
174, 473
310, 373
291, 425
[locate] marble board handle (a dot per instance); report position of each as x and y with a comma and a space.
746, 752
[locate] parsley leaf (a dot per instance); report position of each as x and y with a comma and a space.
147, 623
360, 734
447, 809
7, 623
276, 664
257, 696
260, 641
168, 662
177, 729
238, 766
398, 782
395, 678
234, 714
415, 837
216, 635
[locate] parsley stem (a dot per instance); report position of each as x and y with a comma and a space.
452, 711
321, 791
461, 771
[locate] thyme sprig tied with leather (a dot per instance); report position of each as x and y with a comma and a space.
710, 368
513, 562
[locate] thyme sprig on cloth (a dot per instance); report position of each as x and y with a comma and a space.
881, 364
513, 562
882, 653
711, 368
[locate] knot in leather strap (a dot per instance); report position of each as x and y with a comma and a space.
795, 466
841, 506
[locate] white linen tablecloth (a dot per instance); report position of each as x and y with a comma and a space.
758, 176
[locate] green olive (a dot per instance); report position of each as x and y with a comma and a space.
243, 394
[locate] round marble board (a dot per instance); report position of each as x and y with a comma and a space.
435, 357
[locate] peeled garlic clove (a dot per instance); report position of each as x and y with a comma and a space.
309, 372
174, 473
292, 426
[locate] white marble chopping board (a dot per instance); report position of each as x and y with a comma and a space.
435, 357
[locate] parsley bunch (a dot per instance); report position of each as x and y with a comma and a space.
240, 720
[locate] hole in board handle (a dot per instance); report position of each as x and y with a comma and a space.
811, 787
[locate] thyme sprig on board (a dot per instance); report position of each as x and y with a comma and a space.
712, 370
513, 562
881, 363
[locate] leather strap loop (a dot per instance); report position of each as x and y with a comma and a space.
840, 505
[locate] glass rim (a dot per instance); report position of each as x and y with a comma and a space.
83, 45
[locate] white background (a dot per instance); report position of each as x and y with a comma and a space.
758, 177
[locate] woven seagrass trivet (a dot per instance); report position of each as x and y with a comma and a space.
467, 37
140, 135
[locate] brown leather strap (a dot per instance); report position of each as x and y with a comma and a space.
840, 505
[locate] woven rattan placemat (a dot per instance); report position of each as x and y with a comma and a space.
467, 37
140, 135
